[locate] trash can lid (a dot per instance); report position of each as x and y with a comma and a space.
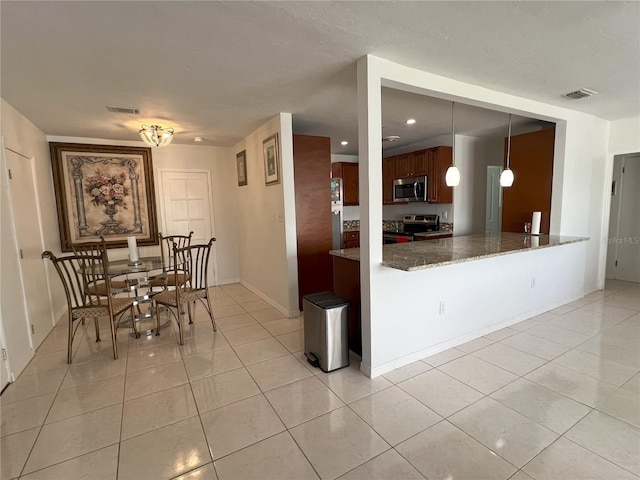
326, 300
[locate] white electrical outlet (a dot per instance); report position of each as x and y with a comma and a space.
441, 309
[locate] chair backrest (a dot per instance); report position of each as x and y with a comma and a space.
194, 260
78, 273
166, 245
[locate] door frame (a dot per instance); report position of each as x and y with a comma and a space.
611, 253
162, 211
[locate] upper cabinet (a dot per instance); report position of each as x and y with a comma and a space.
439, 162
432, 162
388, 175
411, 164
348, 172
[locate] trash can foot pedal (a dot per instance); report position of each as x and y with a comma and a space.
312, 359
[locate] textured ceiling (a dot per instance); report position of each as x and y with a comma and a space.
219, 70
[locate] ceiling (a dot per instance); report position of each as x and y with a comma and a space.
218, 70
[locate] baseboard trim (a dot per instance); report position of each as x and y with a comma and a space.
285, 311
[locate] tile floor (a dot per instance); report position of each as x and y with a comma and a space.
553, 397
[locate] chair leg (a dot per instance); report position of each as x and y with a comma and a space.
113, 336
180, 332
97, 325
70, 340
189, 310
213, 322
157, 319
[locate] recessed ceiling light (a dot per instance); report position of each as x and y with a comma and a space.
344, 142
411, 121
197, 139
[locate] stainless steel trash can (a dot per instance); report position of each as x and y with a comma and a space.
326, 327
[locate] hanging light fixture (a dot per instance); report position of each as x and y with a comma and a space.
506, 177
452, 177
155, 135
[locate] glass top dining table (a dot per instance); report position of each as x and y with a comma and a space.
145, 265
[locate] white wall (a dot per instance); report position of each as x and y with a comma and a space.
624, 136
579, 189
266, 220
469, 198
480, 297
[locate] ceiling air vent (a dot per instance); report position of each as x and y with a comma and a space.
582, 93
129, 110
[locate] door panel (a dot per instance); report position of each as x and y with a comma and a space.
628, 238
25, 216
187, 207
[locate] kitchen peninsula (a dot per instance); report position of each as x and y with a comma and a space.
431, 255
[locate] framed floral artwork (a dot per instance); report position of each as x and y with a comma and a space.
104, 190
271, 160
241, 165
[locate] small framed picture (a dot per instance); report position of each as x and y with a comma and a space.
241, 161
271, 160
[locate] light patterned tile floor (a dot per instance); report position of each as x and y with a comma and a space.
554, 397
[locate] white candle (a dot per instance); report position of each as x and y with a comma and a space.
535, 223
133, 249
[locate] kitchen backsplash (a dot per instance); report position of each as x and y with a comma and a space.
389, 226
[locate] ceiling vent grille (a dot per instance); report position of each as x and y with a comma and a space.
582, 93
129, 110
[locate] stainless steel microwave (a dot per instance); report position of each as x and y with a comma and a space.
413, 189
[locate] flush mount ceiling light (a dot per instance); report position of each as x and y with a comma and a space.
155, 135
390, 138
411, 121
344, 142
452, 177
506, 177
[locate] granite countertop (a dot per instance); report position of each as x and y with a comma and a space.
433, 234
413, 256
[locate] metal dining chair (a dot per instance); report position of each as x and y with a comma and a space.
194, 262
169, 276
82, 275
98, 287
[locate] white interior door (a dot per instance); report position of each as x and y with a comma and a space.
493, 222
186, 200
29, 236
627, 240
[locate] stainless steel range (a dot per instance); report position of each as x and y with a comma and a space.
421, 223
412, 224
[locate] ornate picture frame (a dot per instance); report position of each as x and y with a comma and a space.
241, 165
271, 160
104, 190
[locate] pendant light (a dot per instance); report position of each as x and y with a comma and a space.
452, 177
506, 177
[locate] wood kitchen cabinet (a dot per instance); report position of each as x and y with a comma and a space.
439, 160
349, 174
388, 175
351, 239
411, 164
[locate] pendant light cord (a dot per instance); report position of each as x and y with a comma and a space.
453, 137
509, 143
